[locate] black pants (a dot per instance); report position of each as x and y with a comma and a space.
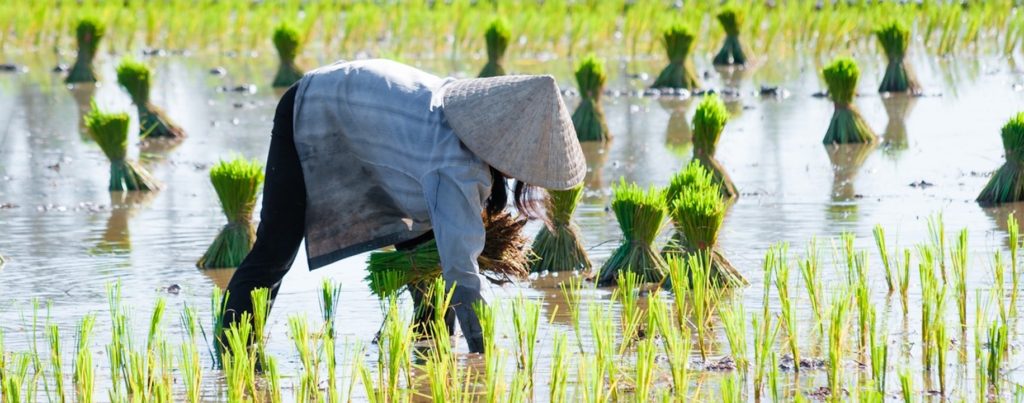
282, 224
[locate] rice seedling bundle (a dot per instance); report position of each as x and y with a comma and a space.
503, 259
558, 247
137, 78
847, 125
110, 132
88, 32
732, 52
237, 183
708, 124
679, 41
899, 77
641, 216
1007, 184
588, 118
497, 36
288, 42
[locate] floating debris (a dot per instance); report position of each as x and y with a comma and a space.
922, 184
241, 88
218, 71
12, 68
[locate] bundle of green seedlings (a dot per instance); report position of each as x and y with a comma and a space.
641, 216
137, 78
503, 259
679, 41
288, 42
237, 183
497, 37
697, 212
89, 31
899, 77
588, 118
732, 52
110, 132
558, 246
708, 124
847, 125
1007, 184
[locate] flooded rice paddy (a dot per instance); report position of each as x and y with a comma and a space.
66, 238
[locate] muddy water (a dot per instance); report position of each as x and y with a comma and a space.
66, 237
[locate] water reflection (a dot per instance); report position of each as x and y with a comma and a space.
596, 153
846, 160
83, 95
897, 107
678, 134
999, 214
123, 206
219, 277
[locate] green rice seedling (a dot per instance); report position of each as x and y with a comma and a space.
237, 183
929, 289
679, 41
773, 377
732, 389
879, 353
941, 347
811, 275
676, 342
899, 77
1006, 185
764, 341
645, 369
308, 349
330, 295
558, 245
588, 118
110, 132
937, 233
959, 264
137, 78
999, 285
641, 216
733, 52
56, 361
239, 360
189, 361
274, 381
780, 258
632, 317
705, 293
847, 125
734, 320
497, 37
397, 341
996, 352
559, 369
84, 376
837, 338
602, 331
862, 297
571, 292
526, 320
88, 32
883, 252
1015, 273
218, 307
288, 42
708, 123
14, 378
906, 386
903, 278
260, 298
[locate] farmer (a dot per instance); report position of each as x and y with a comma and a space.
373, 153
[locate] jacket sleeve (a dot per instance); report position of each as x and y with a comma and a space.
455, 196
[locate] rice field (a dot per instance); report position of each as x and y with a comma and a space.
872, 270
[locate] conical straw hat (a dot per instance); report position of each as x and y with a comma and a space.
518, 125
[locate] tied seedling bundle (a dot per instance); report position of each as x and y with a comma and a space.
288, 42
137, 79
588, 119
680, 72
899, 77
110, 132
641, 216
697, 212
237, 183
497, 37
732, 52
847, 125
503, 259
1007, 183
88, 32
558, 246
708, 123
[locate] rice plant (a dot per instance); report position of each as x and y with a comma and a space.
734, 320
588, 118
189, 361
306, 344
56, 361
237, 183
558, 245
899, 77
837, 338
89, 32
733, 52
137, 78
705, 294
632, 316
883, 253
288, 43
641, 216
497, 37
84, 377
110, 132
1013, 236
675, 339
525, 320
708, 123
778, 255
680, 73
879, 353
959, 264
811, 275
847, 126
1006, 184
645, 370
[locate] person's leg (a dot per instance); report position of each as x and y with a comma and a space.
282, 219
